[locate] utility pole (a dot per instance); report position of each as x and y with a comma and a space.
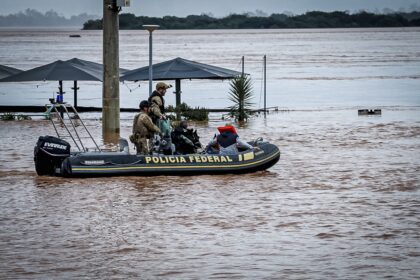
111, 83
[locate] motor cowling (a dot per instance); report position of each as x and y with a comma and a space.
49, 153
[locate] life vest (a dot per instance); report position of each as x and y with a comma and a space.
226, 138
155, 93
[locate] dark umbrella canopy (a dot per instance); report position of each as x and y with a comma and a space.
6, 71
180, 68
70, 70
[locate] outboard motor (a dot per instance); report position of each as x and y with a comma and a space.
49, 153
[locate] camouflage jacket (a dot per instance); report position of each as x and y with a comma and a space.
143, 126
156, 105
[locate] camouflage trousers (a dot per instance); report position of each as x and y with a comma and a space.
142, 146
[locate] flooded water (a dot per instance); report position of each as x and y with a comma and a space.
311, 69
342, 203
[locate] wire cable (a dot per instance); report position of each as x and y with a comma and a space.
132, 89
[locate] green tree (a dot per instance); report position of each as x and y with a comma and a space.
314, 19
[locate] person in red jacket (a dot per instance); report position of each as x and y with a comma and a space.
228, 141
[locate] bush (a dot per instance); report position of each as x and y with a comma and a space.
23, 117
8, 117
13, 117
188, 113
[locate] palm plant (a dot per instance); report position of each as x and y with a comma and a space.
241, 95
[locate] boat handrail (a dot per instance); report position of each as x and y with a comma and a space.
60, 108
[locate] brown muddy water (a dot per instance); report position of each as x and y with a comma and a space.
342, 203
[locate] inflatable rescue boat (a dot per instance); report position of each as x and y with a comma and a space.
52, 157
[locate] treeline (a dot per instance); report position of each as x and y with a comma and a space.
32, 17
244, 21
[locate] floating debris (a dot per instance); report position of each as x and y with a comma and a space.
365, 112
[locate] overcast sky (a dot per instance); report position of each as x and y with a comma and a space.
218, 8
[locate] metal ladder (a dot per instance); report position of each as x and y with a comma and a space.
65, 127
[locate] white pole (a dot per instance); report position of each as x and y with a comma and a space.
150, 63
150, 28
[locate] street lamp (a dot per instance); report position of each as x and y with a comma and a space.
150, 28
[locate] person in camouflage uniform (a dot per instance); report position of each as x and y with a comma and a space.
143, 129
157, 103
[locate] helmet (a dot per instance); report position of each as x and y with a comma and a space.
144, 104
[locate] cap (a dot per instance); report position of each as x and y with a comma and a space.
144, 104
227, 128
162, 85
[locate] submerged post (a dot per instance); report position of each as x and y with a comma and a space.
177, 92
60, 97
110, 85
243, 65
265, 86
150, 28
60, 91
75, 88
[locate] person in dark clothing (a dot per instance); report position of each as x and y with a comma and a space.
186, 139
157, 103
